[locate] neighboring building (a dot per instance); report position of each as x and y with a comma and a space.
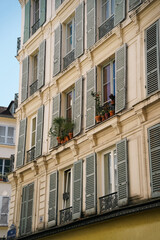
7, 151
105, 182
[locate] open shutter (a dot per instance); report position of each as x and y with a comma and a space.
27, 21
21, 143
23, 218
57, 3
30, 190
55, 113
152, 57
154, 157
77, 189
78, 107
121, 74
134, 3
120, 10
25, 76
91, 22
4, 211
90, 106
53, 193
39, 131
41, 64
91, 184
42, 12
57, 51
79, 27
122, 166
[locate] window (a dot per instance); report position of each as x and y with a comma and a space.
6, 135
4, 208
69, 105
35, 25
70, 38
58, 3
67, 189
33, 133
5, 168
107, 9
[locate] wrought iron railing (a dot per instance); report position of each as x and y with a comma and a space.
31, 154
68, 59
33, 87
106, 27
66, 215
108, 202
18, 44
35, 26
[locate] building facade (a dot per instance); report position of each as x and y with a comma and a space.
105, 181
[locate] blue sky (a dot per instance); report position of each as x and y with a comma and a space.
10, 29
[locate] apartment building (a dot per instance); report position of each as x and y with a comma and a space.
105, 181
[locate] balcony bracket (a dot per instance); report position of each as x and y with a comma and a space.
78, 66
117, 126
118, 32
74, 149
55, 157
35, 168
90, 57
93, 140
141, 113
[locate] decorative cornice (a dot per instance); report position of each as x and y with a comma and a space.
141, 113
93, 140
74, 148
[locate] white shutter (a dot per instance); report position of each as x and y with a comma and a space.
30, 191
27, 21
41, 64
22, 228
57, 51
25, 77
39, 132
79, 30
120, 10
91, 22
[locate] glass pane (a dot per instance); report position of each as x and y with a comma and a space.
115, 170
107, 173
69, 99
10, 131
69, 113
107, 10
106, 83
114, 78
7, 162
33, 124
1, 162
33, 139
35, 64
112, 7
2, 139
6, 170
2, 131
10, 140
0, 169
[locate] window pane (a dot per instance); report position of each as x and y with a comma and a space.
10, 131
0, 169
115, 170
10, 140
33, 139
69, 99
114, 78
34, 124
112, 7
107, 173
2, 131
1, 162
106, 83
7, 162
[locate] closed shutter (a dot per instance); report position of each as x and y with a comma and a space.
120, 10
154, 157
25, 76
122, 166
78, 107
90, 106
39, 131
91, 22
21, 143
30, 191
121, 74
53, 193
57, 51
4, 211
91, 184
41, 64
27, 21
55, 113
22, 228
77, 189
134, 3
42, 12
57, 3
152, 58
79, 26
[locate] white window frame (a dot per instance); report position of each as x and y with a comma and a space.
35, 116
3, 167
110, 10
71, 186
73, 35
1, 214
6, 135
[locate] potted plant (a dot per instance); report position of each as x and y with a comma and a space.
96, 97
68, 129
57, 128
103, 115
106, 109
111, 111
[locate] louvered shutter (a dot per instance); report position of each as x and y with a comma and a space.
91, 184
134, 3
91, 22
27, 21
57, 3
55, 113
122, 167
90, 106
121, 74
42, 12
77, 189
41, 64
23, 218
79, 28
53, 193
21, 143
39, 131
120, 10
4, 211
57, 51
78, 107
154, 157
30, 191
25, 76
152, 58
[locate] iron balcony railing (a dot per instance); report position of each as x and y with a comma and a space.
33, 87
18, 44
35, 26
108, 202
66, 215
31, 154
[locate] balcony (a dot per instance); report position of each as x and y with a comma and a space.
65, 215
108, 202
68, 59
31, 155
33, 87
35, 26
106, 27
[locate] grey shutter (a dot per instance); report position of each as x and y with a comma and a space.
77, 189
39, 131
23, 218
90, 106
53, 193
55, 113
134, 3
91, 184
57, 51
79, 28
41, 64
91, 22
42, 12
30, 191
154, 157
152, 57
78, 107
27, 21
4, 211
122, 166
57, 3
25, 76
121, 74
120, 10
21, 143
